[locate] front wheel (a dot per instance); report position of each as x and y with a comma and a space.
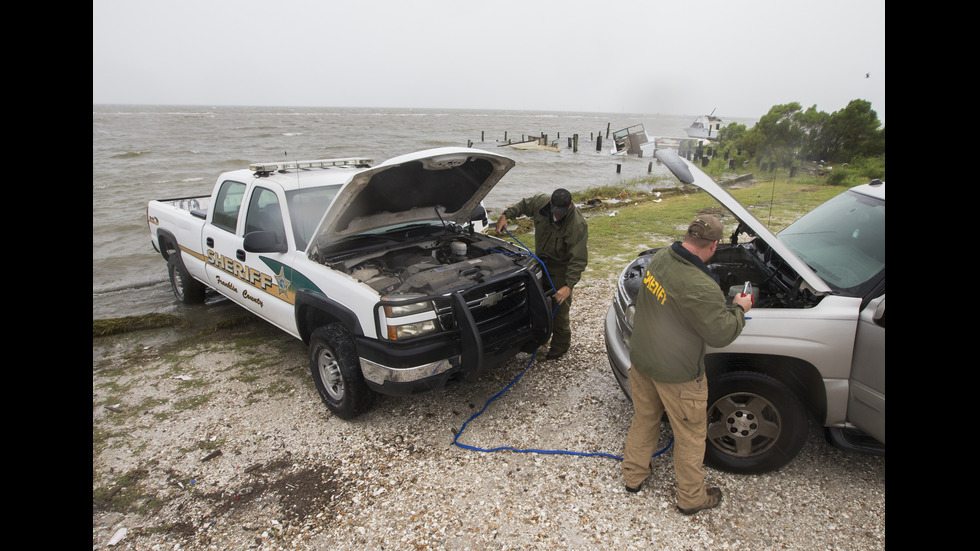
756, 424
187, 289
336, 373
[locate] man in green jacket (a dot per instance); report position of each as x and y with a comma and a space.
680, 310
561, 237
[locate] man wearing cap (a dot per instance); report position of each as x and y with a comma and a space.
561, 237
680, 310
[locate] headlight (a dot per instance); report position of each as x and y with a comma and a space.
409, 330
407, 309
627, 329
409, 319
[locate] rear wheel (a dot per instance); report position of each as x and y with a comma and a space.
756, 423
187, 289
336, 373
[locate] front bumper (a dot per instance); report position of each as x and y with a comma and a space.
410, 380
476, 344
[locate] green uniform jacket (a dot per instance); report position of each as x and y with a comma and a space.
680, 310
565, 243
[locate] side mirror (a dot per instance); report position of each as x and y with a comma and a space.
264, 242
479, 213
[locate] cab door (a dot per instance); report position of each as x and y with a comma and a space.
251, 265
221, 240
866, 398
267, 256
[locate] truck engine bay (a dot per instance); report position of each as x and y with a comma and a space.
774, 285
433, 265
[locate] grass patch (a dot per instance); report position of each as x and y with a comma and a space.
113, 326
278, 387
192, 402
127, 494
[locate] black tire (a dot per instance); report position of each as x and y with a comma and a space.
187, 289
337, 373
756, 424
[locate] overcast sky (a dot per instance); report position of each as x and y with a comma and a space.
634, 56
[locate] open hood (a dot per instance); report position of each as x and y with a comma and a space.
688, 173
444, 184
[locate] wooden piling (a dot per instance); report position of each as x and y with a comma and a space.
575, 147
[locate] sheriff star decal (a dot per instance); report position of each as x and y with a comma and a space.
282, 282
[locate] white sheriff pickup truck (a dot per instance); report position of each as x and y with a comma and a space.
377, 268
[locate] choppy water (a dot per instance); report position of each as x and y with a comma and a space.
140, 153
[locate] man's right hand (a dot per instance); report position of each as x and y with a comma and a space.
501, 223
743, 300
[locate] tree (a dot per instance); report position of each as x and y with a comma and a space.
845, 134
812, 123
777, 135
786, 134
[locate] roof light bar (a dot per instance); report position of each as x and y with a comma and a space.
300, 165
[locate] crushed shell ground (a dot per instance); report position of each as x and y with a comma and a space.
218, 440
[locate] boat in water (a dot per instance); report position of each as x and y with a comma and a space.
633, 140
705, 127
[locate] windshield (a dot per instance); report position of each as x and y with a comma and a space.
306, 208
842, 240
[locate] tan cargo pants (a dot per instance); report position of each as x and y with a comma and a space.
686, 406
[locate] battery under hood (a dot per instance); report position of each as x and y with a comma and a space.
443, 185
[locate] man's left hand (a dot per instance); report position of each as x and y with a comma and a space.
562, 294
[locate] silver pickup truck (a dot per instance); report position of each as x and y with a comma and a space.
815, 341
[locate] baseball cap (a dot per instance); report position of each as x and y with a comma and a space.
706, 227
561, 201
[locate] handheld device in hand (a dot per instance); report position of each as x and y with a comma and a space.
747, 291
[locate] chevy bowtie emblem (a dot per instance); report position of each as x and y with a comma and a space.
491, 300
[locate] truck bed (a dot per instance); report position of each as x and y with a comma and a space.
197, 205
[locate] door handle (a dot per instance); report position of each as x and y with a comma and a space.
240, 254
210, 242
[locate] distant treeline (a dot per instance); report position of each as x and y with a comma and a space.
787, 135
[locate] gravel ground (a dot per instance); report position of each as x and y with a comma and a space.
218, 440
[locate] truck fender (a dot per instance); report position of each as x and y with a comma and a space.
314, 310
167, 242
801, 377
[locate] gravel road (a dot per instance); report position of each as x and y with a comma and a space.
216, 439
